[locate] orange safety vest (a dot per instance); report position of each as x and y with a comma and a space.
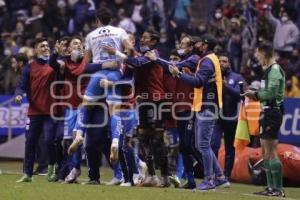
198, 92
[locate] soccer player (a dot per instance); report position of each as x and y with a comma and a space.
183, 101
73, 65
270, 95
104, 35
149, 85
36, 81
150, 90
128, 114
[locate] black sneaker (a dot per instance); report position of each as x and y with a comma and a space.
265, 192
277, 193
188, 186
165, 182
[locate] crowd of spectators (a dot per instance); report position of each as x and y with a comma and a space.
238, 26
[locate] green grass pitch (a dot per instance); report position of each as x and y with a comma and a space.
40, 189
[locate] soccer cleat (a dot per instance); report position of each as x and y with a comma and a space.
222, 183
114, 181
277, 193
188, 186
50, 172
164, 182
137, 179
143, 168
175, 181
73, 175
91, 182
62, 181
127, 184
206, 186
51, 177
266, 192
151, 181
75, 144
25, 179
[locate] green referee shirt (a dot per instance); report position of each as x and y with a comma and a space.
272, 86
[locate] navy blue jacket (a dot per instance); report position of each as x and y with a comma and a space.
189, 60
231, 94
204, 78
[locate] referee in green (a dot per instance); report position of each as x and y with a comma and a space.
271, 96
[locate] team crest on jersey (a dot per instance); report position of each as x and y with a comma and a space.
104, 31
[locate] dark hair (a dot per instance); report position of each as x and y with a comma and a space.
20, 57
196, 39
64, 38
39, 40
155, 36
104, 15
192, 39
225, 54
174, 53
73, 38
266, 48
210, 41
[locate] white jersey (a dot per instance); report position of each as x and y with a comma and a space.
105, 36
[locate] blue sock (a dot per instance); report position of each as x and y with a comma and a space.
180, 167
116, 126
76, 158
82, 119
117, 171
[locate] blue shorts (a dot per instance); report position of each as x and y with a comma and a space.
94, 92
129, 122
70, 121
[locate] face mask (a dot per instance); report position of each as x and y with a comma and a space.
218, 15
284, 19
225, 70
163, 40
181, 52
198, 51
202, 28
76, 55
7, 52
144, 49
44, 58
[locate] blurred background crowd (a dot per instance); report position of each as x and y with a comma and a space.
238, 26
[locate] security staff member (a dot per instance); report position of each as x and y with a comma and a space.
207, 83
